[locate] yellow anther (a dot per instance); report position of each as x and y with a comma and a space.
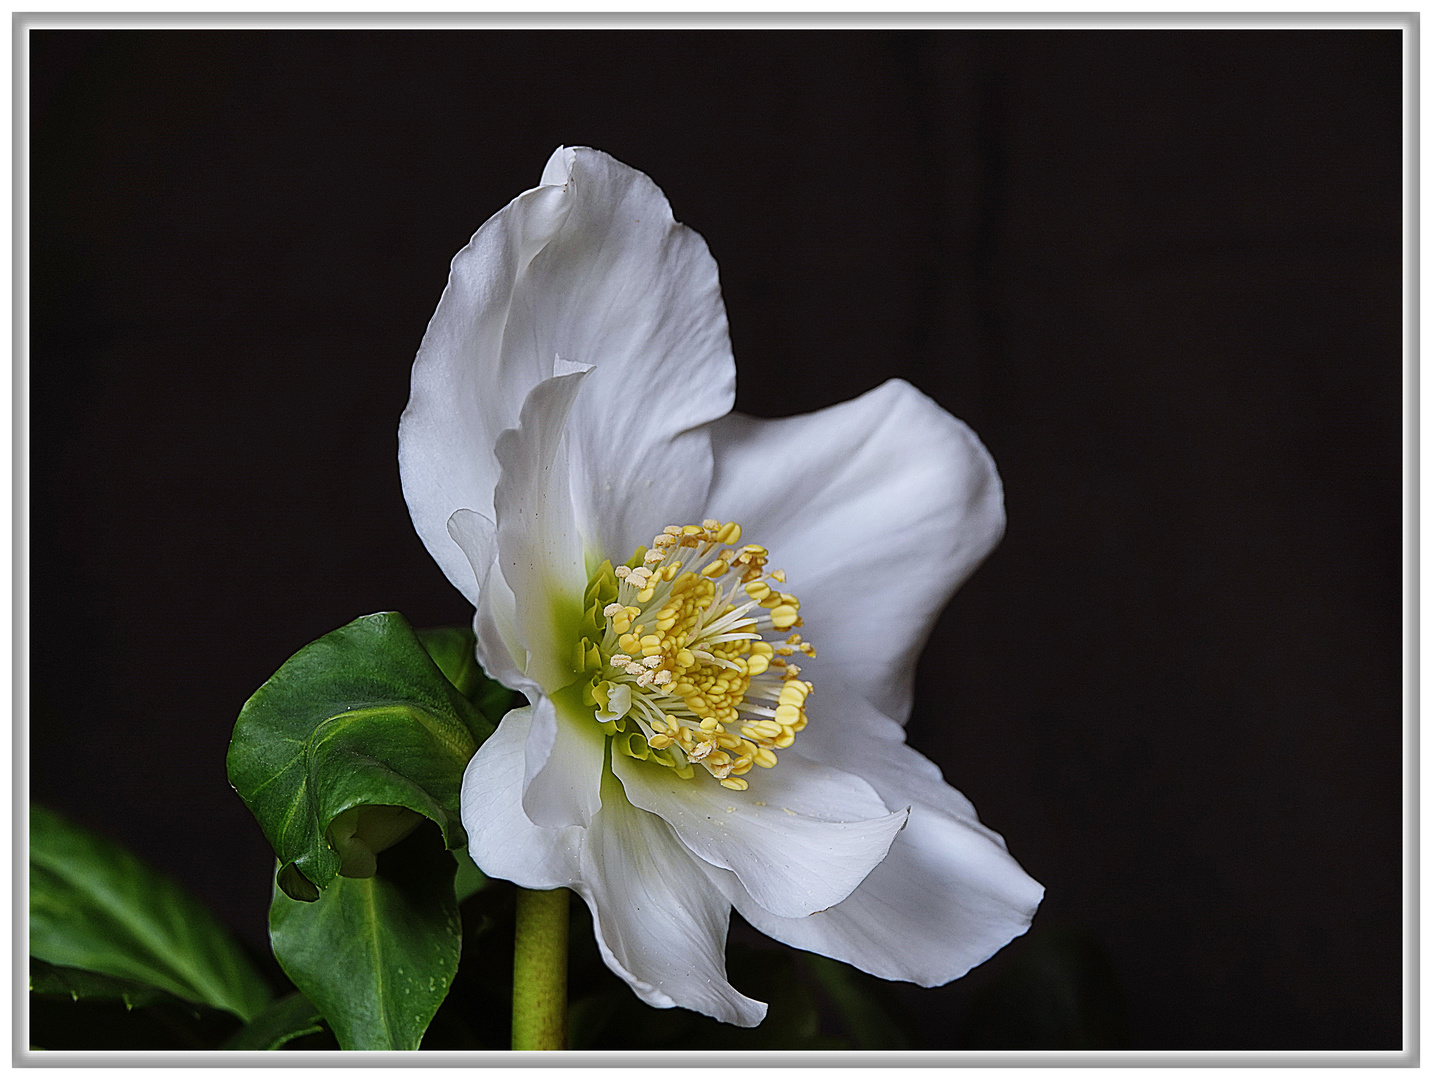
779, 575
683, 660
783, 616
735, 783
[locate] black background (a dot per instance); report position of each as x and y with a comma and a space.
1157, 271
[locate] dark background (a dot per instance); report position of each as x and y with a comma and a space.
1158, 272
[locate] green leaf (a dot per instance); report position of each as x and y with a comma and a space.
1056, 990
72, 1009
76, 984
867, 1019
454, 650
362, 717
287, 1019
469, 879
495, 700
95, 906
376, 954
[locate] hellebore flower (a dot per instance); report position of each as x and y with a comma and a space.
715, 619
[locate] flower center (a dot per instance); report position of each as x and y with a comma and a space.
682, 671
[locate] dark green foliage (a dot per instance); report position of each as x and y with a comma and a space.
376, 955
361, 717
1058, 991
289, 1018
98, 908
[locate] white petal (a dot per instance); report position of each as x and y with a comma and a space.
946, 898
500, 837
660, 924
800, 838
627, 289
847, 732
564, 764
877, 509
499, 648
466, 388
590, 268
538, 548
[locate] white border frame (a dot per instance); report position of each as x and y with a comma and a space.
1407, 21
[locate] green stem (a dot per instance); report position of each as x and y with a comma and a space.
539, 971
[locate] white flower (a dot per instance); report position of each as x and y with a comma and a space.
686, 749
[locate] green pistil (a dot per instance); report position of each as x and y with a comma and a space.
593, 684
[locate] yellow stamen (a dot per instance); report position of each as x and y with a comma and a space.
684, 643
